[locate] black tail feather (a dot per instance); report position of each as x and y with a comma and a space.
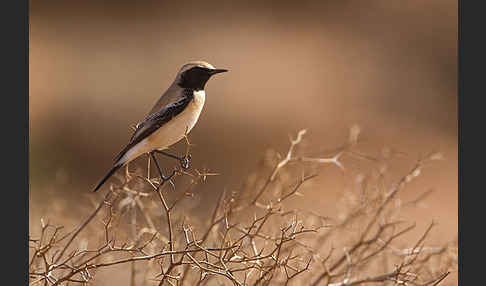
110, 173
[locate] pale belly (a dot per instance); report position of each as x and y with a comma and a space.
171, 132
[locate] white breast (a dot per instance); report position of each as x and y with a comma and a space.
171, 132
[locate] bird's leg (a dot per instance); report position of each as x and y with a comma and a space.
164, 179
184, 160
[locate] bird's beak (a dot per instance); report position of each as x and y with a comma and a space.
215, 71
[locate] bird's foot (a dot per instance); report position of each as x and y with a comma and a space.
185, 161
167, 179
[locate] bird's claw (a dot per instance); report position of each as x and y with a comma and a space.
164, 180
185, 161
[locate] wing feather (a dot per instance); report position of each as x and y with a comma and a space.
153, 122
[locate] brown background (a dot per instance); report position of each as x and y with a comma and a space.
388, 66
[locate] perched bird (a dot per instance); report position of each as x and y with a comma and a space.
173, 115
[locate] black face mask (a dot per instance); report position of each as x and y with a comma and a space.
197, 77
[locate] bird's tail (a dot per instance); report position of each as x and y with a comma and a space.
110, 173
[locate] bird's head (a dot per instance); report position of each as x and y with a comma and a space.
195, 74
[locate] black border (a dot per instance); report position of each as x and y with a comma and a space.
15, 140
471, 79
15, 45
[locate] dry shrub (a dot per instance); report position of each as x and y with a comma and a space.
251, 238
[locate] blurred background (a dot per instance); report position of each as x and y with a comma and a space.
97, 67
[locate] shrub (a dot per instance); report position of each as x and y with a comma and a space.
251, 237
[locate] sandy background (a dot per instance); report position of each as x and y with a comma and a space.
388, 66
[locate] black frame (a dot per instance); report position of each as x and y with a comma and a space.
15, 140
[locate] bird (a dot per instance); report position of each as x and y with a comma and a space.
170, 119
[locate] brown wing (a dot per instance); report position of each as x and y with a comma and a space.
153, 122
171, 95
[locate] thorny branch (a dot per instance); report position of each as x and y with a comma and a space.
257, 243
